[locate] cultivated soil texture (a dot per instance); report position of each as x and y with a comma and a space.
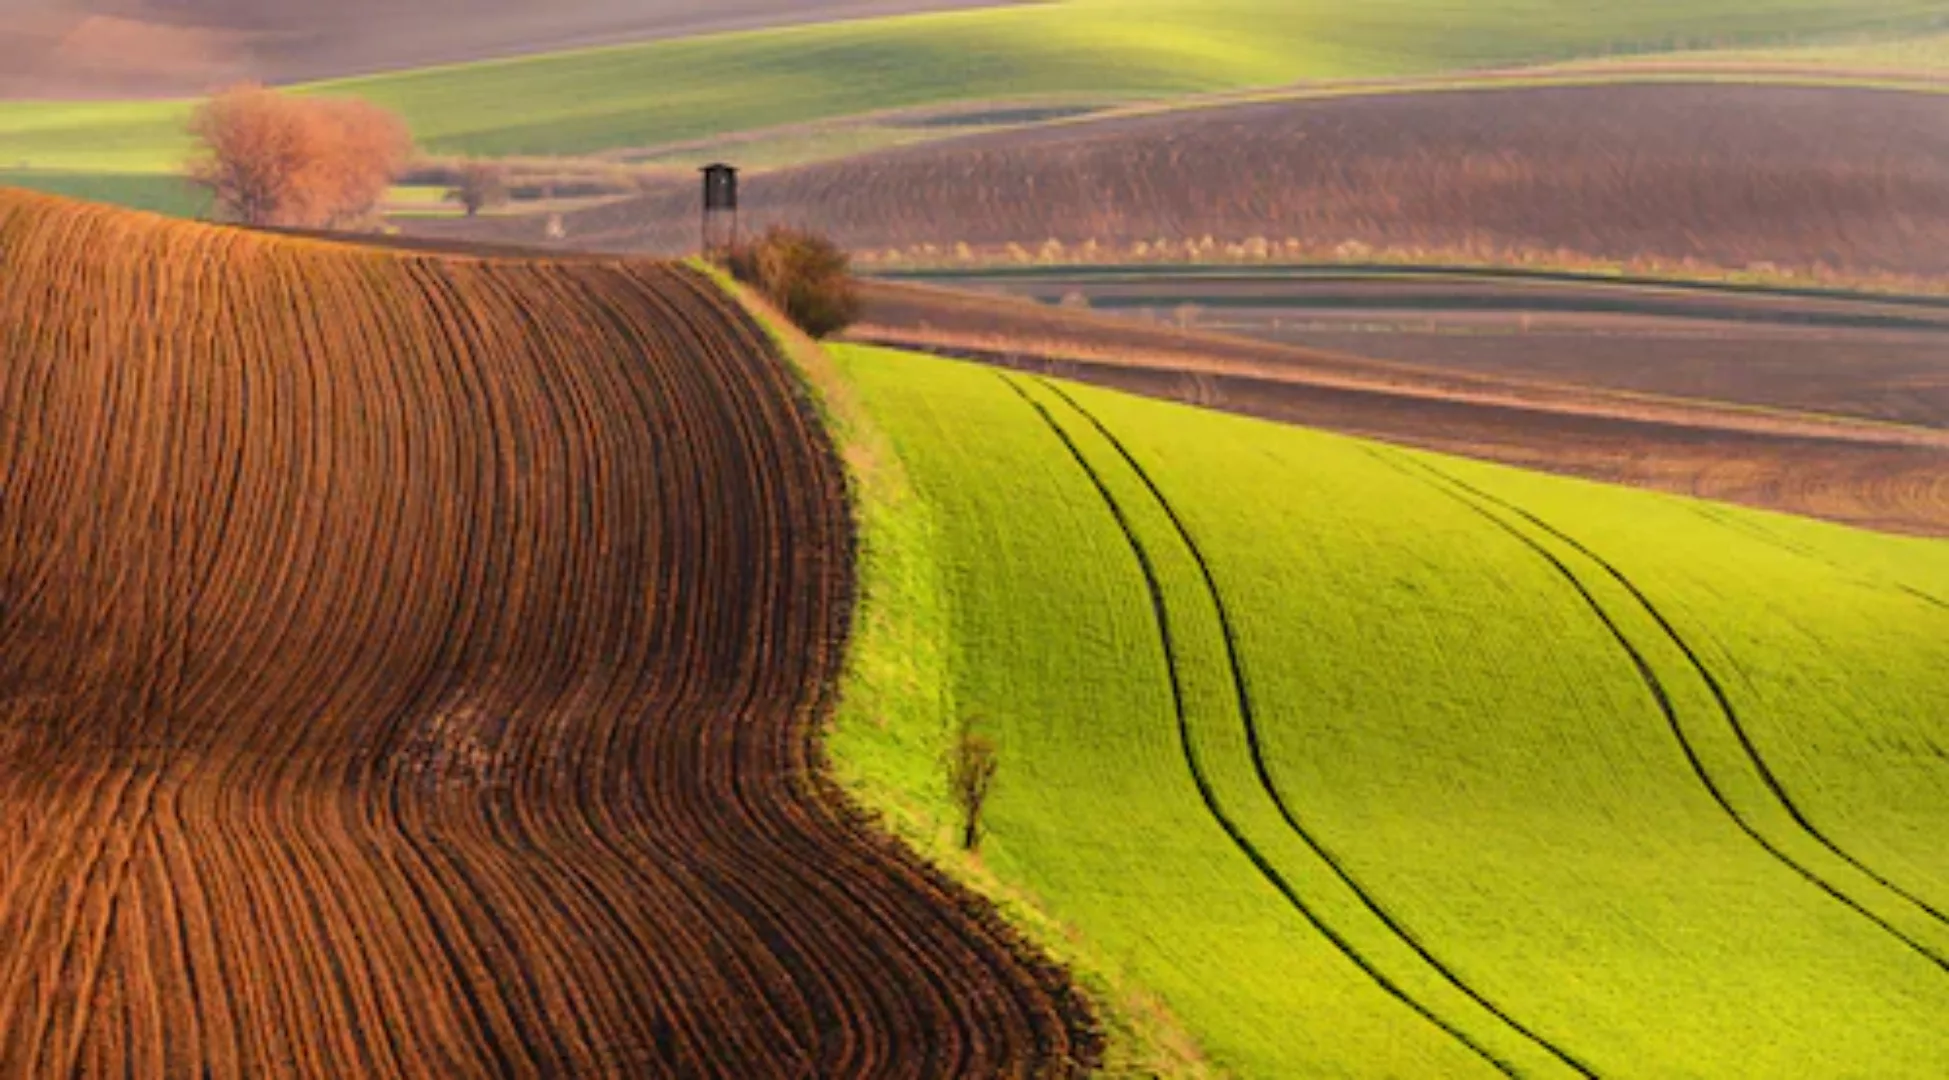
1849, 180
1824, 418
411, 665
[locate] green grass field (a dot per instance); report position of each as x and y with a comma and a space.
161, 193
665, 92
1354, 761
1926, 54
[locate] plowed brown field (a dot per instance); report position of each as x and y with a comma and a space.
1866, 356
410, 665
1856, 181
1773, 448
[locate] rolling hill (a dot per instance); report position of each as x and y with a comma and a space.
662, 92
422, 660
1364, 761
95, 48
1706, 176
412, 665
1809, 404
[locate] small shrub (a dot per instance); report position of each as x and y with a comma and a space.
805, 274
972, 762
479, 186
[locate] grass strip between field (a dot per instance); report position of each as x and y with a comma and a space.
897, 665
897, 684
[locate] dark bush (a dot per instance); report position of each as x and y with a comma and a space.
479, 186
806, 275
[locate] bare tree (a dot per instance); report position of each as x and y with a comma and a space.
360, 148
253, 154
272, 159
479, 185
972, 762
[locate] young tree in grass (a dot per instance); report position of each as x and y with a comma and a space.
272, 159
479, 186
972, 762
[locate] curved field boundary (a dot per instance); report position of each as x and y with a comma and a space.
1890, 488
1430, 292
413, 666
1860, 472
1715, 786
1208, 787
1351, 272
1774, 786
1262, 768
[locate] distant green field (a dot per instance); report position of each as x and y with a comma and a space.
161, 193
664, 92
1365, 762
1922, 54
94, 136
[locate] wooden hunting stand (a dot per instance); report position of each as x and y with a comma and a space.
720, 207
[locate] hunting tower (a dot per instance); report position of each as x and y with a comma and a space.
720, 207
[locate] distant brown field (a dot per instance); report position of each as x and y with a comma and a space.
1764, 440
1868, 357
1721, 176
411, 665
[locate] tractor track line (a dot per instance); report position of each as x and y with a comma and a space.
1206, 791
1649, 678
1734, 522
1719, 695
1262, 766
1924, 597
